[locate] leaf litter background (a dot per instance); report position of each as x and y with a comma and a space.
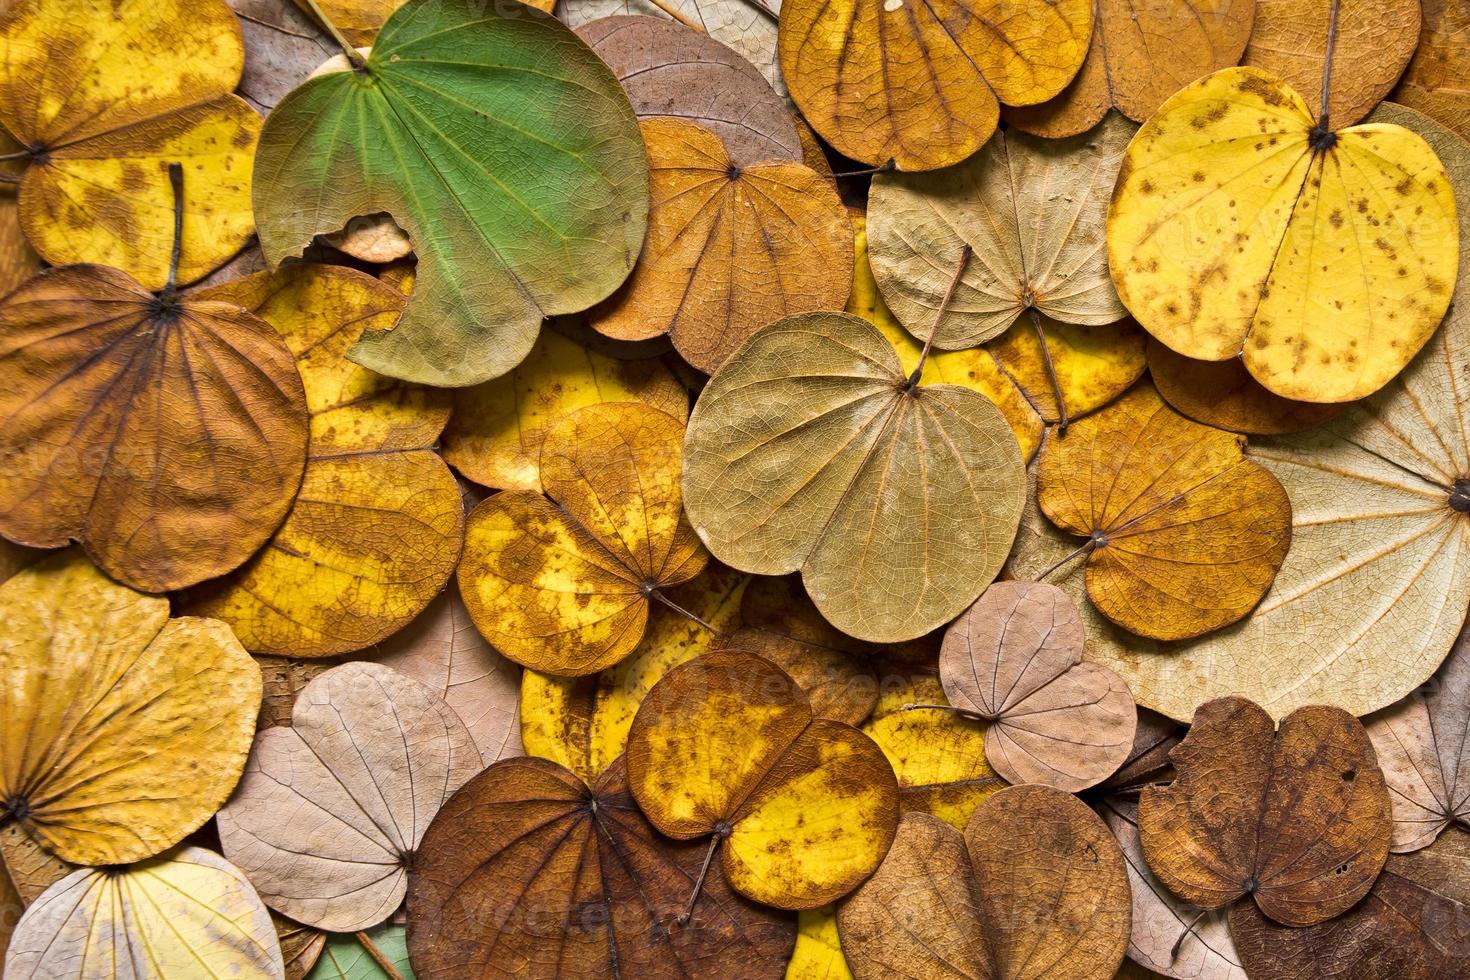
719, 488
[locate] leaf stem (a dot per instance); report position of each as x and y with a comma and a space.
353, 55
962, 712
673, 12
1087, 546
886, 168
176, 182
1051, 372
659, 595
17, 155
965, 252
1188, 931
718, 837
371, 948
1324, 115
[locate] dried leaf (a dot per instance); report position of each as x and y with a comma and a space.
331, 809
563, 585
105, 96
1014, 661
923, 87
1423, 745
189, 913
1375, 39
1223, 394
582, 723
107, 757
1035, 886
166, 435
1051, 260
1140, 55
515, 213
1434, 82
283, 45
28, 866
442, 651
1295, 818
780, 605
809, 451
1324, 269
300, 945
1412, 925
818, 952
376, 528
345, 957
527, 872
1375, 587
938, 757
669, 70
1184, 534
18, 261
800, 808
282, 678
730, 248
1093, 365
358, 20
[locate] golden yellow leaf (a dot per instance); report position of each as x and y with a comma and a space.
188, 914
919, 85
124, 730
818, 952
729, 248
1326, 259
103, 97
1223, 394
494, 435
801, 809
938, 757
1437, 81
562, 583
582, 723
358, 20
376, 528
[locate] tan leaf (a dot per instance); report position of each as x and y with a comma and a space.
1435, 81
1223, 394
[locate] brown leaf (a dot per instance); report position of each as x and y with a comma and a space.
283, 45
1223, 394
526, 872
1413, 925
1148, 760
839, 685
1014, 660
729, 248
1423, 745
300, 945
168, 439
331, 810
1298, 818
669, 70
282, 678
1435, 81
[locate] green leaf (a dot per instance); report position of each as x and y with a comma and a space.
345, 957
501, 144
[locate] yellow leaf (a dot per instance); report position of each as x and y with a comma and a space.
376, 528
105, 96
189, 914
562, 583
358, 20
1324, 259
1094, 365
938, 757
124, 730
818, 952
494, 435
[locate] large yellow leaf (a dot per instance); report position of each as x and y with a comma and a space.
818, 952
124, 730
921, 84
1324, 259
188, 914
562, 583
104, 97
376, 529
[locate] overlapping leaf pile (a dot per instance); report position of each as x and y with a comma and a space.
734, 489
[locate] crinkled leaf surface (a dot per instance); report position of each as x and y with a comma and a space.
1434, 83
358, 20
376, 528
283, 45
1034, 887
1032, 212
730, 248
726, 747
671, 70
188, 913
124, 730
1014, 660
1223, 394
922, 85
300, 945
18, 261
1230, 235
1296, 818
168, 438
1140, 55
808, 451
529, 872
1184, 533
105, 96
1423, 745
506, 150
818, 952
282, 678
938, 757
331, 809
562, 583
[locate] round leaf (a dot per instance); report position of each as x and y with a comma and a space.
1223, 394
124, 730
517, 211
168, 436
563, 585
332, 809
730, 248
809, 451
1231, 233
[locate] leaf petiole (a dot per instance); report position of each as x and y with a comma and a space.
721, 832
965, 252
353, 55
1051, 371
171, 285
1087, 547
673, 12
371, 948
658, 594
1322, 137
